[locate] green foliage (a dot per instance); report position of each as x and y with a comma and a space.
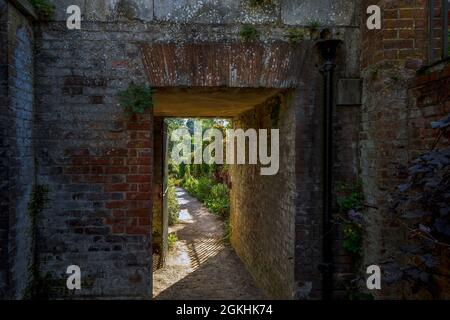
249, 33
43, 7
172, 241
350, 203
172, 203
136, 99
203, 189
206, 182
191, 185
351, 198
295, 35
314, 30
314, 25
352, 242
218, 200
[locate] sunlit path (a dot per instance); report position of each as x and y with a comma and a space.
202, 266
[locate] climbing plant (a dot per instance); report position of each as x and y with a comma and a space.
350, 209
136, 99
350, 205
421, 206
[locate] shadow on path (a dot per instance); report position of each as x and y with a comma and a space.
202, 266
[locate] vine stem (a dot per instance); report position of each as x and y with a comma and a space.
423, 234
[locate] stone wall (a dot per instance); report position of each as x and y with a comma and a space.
17, 153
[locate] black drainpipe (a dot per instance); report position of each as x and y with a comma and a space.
327, 50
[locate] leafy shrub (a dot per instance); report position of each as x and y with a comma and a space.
219, 200
172, 240
191, 185
137, 98
203, 189
172, 203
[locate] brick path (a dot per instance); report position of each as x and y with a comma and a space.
202, 266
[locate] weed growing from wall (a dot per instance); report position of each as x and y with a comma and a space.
136, 99
314, 30
350, 203
296, 35
249, 33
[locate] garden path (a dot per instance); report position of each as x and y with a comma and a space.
202, 266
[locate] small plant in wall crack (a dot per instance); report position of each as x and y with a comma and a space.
350, 205
136, 99
314, 30
249, 33
296, 35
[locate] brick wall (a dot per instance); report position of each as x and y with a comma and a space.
429, 100
394, 123
17, 95
96, 160
263, 210
97, 163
